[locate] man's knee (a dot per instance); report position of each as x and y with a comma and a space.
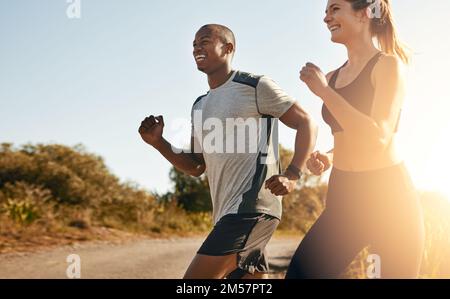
211, 267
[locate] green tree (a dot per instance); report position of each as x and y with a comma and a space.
191, 193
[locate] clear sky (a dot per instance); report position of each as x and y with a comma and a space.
92, 80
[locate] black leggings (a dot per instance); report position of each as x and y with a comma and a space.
379, 209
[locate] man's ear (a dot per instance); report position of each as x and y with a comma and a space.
229, 48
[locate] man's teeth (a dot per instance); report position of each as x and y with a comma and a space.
334, 28
200, 57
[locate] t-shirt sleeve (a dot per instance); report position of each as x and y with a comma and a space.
271, 99
195, 144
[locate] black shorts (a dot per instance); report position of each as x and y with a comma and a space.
244, 234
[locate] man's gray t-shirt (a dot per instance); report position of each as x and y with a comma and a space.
235, 128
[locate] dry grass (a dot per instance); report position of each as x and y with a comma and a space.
54, 195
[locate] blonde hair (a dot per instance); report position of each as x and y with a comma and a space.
383, 28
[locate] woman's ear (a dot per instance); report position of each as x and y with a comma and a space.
364, 15
370, 14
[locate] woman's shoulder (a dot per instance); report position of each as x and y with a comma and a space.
387, 65
388, 61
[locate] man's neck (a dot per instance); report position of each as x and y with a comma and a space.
219, 77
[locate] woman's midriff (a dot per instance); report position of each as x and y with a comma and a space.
353, 155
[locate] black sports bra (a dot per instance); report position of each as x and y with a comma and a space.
360, 93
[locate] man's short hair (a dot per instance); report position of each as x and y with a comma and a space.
224, 33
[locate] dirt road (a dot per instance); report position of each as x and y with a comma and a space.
148, 258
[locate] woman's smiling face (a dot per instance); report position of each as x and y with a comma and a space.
343, 21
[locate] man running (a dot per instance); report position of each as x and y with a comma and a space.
244, 174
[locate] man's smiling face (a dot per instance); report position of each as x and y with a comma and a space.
211, 50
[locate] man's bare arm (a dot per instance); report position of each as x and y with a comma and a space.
151, 130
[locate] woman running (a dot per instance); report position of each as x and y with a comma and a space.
371, 200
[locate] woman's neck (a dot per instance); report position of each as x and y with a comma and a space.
360, 51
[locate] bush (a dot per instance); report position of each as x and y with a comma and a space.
45, 188
22, 202
77, 189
